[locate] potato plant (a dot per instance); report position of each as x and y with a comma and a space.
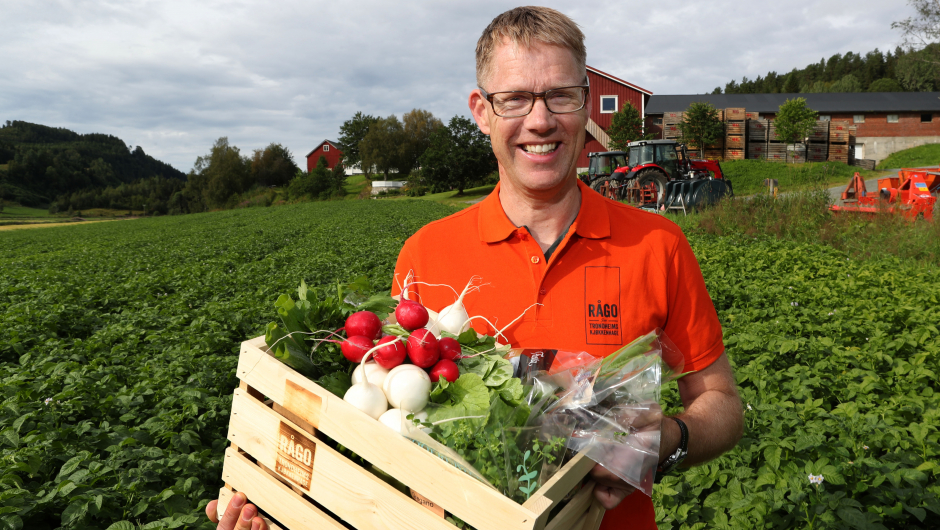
118, 346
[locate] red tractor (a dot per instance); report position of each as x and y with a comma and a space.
657, 174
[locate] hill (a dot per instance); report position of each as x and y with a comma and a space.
875, 71
43, 162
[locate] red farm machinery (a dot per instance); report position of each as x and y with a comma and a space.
908, 194
657, 174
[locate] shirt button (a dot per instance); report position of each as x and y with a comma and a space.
535, 259
541, 291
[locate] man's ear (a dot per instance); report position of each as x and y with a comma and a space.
480, 108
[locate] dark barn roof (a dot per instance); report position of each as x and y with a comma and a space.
824, 103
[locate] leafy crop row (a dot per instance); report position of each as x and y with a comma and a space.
118, 345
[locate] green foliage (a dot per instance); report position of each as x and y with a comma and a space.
700, 124
838, 370
380, 150
747, 176
920, 156
44, 162
458, 156
273, 166
320, 183
154, 194
119, 342
351, 133
791, 85
417, 128
917, 71
885, 85
794, 120
626, 125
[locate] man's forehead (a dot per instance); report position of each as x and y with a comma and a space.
517, 63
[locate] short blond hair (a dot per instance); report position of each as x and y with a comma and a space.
524, 26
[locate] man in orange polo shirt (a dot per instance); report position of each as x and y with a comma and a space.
588, 273
602, 272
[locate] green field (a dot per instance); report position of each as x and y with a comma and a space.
921, 156
119, 343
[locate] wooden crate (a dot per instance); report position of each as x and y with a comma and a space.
817, 152
772, 132
671, 131
839, 137
840, 150
735, 128
281, 458
714, 154
671, 118
734, 142
734, 154
757, 130
756, 150
841, 125
820, 132
751, 116
735, 114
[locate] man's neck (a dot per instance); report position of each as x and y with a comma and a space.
546, 214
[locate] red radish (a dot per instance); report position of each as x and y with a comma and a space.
450, 348
363, 323
445, 368
422, 348
411, 315
392, 355
355, 347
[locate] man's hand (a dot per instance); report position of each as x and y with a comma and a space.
610, 490
237, 516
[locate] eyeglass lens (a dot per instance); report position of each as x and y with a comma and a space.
559, 101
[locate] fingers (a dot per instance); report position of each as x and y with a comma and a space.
232, 512
602, 476
610, 497
247, 519
212, 511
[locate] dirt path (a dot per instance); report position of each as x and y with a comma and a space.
47, 225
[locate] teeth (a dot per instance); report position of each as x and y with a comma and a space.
541, 148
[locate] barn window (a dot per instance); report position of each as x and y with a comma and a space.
892, 118
824, 117
926, 118
326, 147
858, 118
608, 104
658, 121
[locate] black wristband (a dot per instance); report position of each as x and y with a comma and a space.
676, 458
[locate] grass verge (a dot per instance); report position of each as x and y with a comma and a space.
920, 156
747, 176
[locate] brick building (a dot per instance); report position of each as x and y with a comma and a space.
327, 149
886, 121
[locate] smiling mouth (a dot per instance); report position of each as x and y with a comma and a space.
540, 149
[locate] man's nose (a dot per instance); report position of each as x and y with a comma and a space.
540, 119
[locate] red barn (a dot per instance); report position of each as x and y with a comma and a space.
608, 95
327, 149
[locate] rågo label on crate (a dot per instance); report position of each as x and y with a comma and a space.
427, 503
294, 456
302, 402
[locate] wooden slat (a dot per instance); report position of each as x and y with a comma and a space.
225, 497
598, 133
595, 515
440, 482
562, 482
289, 508
343, 487
575, 509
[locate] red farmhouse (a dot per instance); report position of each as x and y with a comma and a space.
608, 95
327, 149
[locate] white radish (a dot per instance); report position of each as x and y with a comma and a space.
364, 395
374, 373
393, 418
407, 387
454, 318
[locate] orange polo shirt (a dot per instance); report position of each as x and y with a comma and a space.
619, 272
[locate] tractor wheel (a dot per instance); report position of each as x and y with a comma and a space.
652, 176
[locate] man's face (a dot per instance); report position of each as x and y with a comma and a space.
537, 153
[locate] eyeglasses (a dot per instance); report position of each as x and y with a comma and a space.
518, 103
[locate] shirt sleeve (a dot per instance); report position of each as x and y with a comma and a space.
692, 324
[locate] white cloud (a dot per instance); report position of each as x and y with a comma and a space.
172, 76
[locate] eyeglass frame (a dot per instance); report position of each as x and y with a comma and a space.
536, 95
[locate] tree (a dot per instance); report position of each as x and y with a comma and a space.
312, 185
700, 124
791, 85
924, 29
273, 166
848, 83
223, 173
916, 72
417, 127
351, 133
380, 150
458, 155
794, 120
626, 125
885, 85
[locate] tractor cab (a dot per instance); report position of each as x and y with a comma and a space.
665, 155
603, 165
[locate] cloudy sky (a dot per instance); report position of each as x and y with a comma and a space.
174, 76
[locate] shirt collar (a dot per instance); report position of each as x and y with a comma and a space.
592, 221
